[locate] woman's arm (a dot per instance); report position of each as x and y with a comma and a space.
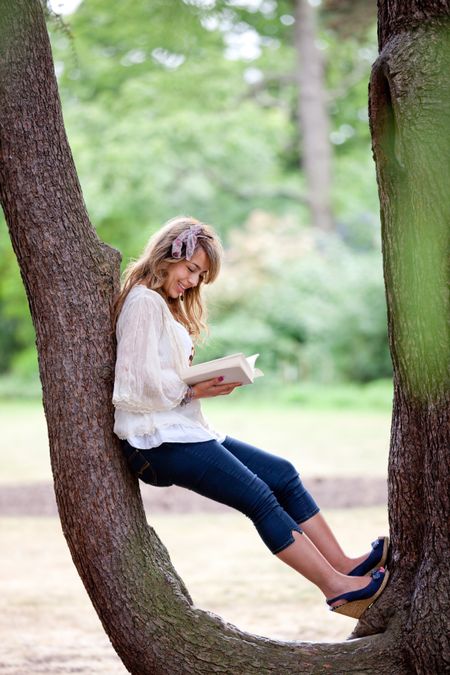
141, 384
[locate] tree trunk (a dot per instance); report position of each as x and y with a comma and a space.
70, 278
410, 124
313, 118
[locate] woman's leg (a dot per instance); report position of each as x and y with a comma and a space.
282, 477
211, 470
320, 533
305, 558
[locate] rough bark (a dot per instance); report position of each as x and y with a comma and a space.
70, 278
313, 118
410, 123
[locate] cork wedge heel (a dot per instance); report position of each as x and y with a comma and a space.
358, 601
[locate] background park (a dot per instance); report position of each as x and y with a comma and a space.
226, 111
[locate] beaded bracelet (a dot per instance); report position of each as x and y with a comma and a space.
189, 395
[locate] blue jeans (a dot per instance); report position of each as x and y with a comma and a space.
264, 487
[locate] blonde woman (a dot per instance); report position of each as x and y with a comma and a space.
167, 440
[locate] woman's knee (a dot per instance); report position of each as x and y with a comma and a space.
288, 477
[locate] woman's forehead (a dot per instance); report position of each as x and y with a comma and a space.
201, 259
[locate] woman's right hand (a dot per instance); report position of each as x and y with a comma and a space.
214, 387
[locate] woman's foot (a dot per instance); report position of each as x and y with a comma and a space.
371, 561
353, 603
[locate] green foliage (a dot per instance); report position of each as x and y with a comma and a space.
16, 328
165, 115
313, 309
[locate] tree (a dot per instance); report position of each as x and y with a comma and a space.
70, 278
313, 117
275, 19
410, 124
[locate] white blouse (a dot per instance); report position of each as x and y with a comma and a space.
152, 349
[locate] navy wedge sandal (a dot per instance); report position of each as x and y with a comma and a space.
377, 558
358, 601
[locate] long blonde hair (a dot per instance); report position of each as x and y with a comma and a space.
150, 270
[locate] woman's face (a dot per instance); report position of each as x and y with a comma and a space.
185, 274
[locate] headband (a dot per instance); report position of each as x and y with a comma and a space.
189, 236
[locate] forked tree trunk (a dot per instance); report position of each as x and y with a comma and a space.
313, 117
70, 278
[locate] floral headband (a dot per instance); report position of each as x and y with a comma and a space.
189, 237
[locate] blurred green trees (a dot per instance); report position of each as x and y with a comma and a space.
313, 308
176, 107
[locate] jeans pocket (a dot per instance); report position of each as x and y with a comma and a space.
140, 466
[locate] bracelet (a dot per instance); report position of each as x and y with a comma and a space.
189, 395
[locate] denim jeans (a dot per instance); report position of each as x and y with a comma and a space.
264, 487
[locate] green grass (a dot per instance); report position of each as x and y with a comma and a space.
373, 396
320, 441
24, 455
14, 387
376, 395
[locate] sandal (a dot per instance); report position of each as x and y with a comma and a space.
377, 558
358, 601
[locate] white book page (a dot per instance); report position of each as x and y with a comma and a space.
251, 360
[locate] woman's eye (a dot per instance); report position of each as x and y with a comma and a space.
191, 270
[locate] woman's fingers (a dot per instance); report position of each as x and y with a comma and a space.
226, 388
214, 387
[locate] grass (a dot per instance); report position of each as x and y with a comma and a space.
372, 396
49, 626
320, 441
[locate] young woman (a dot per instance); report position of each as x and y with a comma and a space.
167, 441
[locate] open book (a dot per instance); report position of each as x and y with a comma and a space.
233, 368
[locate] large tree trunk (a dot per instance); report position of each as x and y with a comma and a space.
313, 117
70, 278
410, 123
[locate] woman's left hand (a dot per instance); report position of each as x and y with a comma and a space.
214, 387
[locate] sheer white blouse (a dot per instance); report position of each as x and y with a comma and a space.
151, 352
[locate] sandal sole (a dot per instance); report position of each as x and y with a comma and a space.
356, 608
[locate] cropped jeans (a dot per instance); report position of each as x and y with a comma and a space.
264, 487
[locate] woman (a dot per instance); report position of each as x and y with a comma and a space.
167, 441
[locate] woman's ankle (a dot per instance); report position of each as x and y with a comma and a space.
349, 564
345, 584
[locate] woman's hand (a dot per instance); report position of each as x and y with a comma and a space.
214, 387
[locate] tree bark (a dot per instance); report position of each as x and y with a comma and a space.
70, 279
410, 124
313, 118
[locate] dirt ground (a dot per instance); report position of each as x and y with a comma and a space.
38, 499
48, 625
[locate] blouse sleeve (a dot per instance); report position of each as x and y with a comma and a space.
141, 383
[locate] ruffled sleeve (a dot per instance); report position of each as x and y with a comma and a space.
142, 383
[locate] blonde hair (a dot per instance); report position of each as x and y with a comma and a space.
150, 269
